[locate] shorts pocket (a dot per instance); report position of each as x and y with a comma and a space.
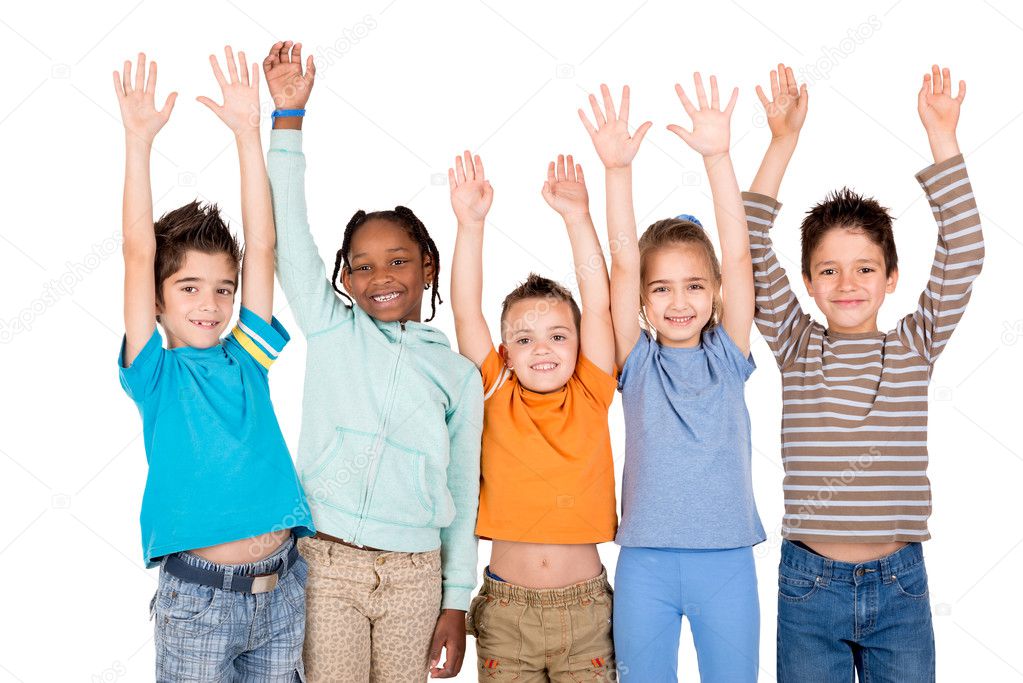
590, 666
471, 615
592, 651
189, 609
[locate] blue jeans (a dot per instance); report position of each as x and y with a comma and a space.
715, 589
837, 617
212, 634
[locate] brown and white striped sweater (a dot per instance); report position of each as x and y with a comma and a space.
854, 415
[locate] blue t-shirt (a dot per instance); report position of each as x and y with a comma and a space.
687, 481
219, 469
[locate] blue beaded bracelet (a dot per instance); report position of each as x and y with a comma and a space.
287, 112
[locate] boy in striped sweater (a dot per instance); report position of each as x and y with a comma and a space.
852, 584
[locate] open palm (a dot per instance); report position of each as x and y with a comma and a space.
711, 125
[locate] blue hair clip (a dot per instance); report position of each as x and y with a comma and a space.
689, 217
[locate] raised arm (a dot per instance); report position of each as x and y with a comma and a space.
710, 137
142, 121
240, 112
959, 255
785, 112
471, 197
779, 316
617, 147
565, 192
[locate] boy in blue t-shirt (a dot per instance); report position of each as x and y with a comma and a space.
222, 503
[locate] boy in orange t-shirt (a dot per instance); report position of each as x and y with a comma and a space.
547, 489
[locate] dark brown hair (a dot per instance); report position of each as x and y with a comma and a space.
539, 287
192, 227
410, 223
847, 209
672, 231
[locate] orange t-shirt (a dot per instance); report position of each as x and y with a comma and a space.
547, 471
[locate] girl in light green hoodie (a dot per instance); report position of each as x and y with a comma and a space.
391, 424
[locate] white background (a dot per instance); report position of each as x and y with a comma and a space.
402, 87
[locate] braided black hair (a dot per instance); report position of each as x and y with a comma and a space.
403, 217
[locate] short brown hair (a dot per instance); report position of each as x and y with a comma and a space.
539, 287
671, 231
847, 209
192, 227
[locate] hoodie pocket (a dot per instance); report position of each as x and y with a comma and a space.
336, 478
396, 481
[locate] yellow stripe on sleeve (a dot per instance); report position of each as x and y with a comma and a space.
253, 350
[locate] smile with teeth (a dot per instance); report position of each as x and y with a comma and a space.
679, 319
545, 366
384, 298
205, 323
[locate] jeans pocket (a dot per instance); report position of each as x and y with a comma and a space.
293, 585
795, 586
912, 583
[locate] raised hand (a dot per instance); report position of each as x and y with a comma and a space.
938, 110
710, 134
289, 86
786, 109
136, 99
471, 193
240, 110
565, 188
615, 145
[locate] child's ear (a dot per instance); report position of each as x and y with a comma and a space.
893, 280
809, 284
503, 351
427, 268
346, 279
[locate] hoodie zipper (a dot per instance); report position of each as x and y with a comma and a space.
378, 443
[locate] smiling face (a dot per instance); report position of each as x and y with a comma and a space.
848, 281
679, 288
197, 301
540, 343
388, 272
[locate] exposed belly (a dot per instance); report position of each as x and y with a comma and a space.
245, 550
541, 565
855, 552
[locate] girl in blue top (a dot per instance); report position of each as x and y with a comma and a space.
689, 520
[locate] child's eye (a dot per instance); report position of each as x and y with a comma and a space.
523, 341
828, 271
660, 289
224, 291
361, 268
190, 289
399, 262
866, 269
559, 337
695, 286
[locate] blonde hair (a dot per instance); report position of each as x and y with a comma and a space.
669, 232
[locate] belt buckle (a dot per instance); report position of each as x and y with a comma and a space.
265, 583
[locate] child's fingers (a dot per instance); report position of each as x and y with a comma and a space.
686, 135
119, 86
243, 69
641, 133
715, 103
232, 68
962, 92
310, 68
935, 80
684, 99
570, 168
561, 167
296, 54
140, 73
284, 54
582, 117
550, 173
126, 77
598, 116
452, 183
213, 106
731, 101
168, 105
459, 170
946, 82
623, 114
609, 105
791, 77
775, 87
478, 163
151, 79
217, 73
925, 90
470, 170
579, 174
701, 94
763, 98
804, 96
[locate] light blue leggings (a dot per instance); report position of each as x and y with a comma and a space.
715, 589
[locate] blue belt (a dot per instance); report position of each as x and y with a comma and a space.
215, 578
